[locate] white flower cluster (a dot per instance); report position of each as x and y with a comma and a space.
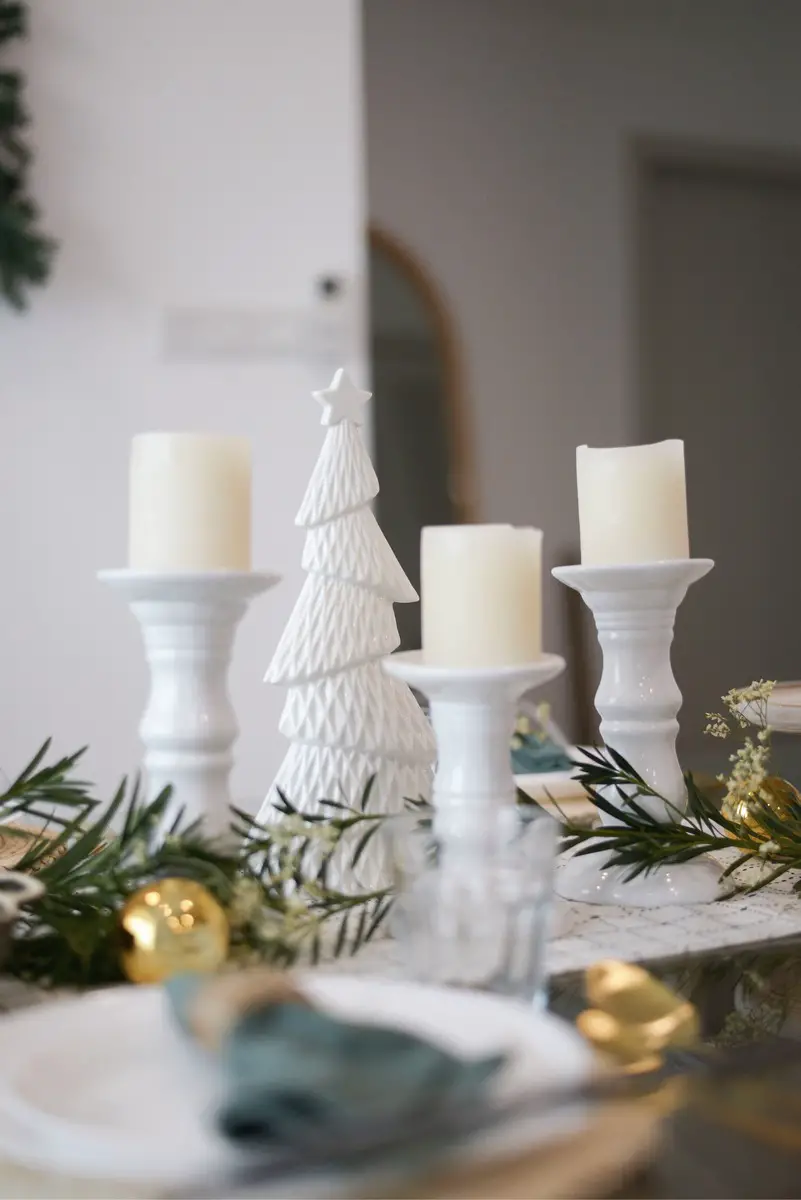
282, 914
750, 763
292, 924
749, 768
291, 829
717, 726
246, 902
289, 921
755, 696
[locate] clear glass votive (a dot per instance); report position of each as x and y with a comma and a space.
473, 911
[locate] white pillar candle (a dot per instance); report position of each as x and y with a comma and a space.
632, 503
481, 595
189, 503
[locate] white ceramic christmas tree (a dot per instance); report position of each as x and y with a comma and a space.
346, 718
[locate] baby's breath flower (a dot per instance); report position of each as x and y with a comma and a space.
769, 848
749, 769
754, 696
761, 689
272, 926
285, 831
523, 726
716, 726
324, 833
293, 926
750, 764
247, 899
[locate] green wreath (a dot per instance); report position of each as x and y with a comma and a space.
26, 254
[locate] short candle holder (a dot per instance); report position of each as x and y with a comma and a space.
473, 712
189, 727
638, 700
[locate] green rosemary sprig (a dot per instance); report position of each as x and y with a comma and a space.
272, 880
639, 842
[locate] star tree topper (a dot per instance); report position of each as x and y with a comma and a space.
342, 400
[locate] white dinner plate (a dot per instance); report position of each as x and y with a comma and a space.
104, 1086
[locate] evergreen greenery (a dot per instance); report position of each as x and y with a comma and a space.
639, 842
272, 881
26, 254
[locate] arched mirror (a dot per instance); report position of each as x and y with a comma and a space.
420, 429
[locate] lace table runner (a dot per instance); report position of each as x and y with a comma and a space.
584, 933
588, 932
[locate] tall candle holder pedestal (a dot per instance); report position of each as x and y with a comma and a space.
189, 727
473, 713
638, 700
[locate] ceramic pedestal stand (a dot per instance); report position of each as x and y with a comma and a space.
473, 713
638, 700
189, 727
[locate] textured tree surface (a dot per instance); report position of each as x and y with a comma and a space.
345, 718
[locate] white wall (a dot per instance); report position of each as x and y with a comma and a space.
189, 153
498, 148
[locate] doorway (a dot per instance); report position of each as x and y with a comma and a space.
720, 366
422, 445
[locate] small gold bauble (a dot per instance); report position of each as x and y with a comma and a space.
169, 926
775, 796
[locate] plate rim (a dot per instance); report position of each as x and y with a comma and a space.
68, 1150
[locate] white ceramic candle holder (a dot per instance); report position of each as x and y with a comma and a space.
473, 713
638, 701
189, 727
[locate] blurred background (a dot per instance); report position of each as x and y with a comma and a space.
526, 224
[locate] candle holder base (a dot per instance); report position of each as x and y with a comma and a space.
589, 878
473, 713
188, 622
638, 699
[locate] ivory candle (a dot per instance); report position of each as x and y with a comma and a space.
189, 502
481, 595
632, 503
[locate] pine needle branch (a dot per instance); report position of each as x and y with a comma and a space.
271, 879
640, 842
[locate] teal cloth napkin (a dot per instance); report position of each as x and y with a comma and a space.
287, 1067
531, 756
533, 750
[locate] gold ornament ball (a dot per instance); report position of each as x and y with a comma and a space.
776, 796
169, 926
